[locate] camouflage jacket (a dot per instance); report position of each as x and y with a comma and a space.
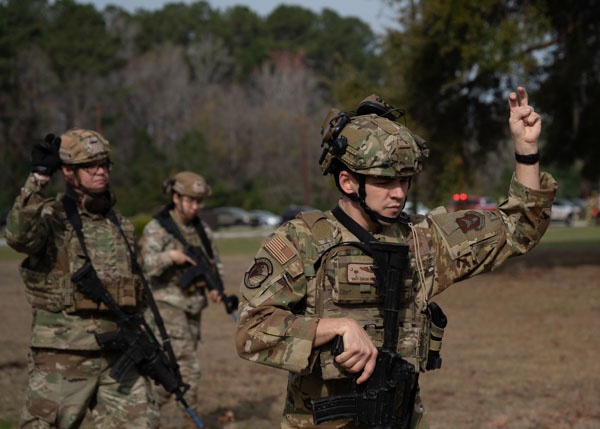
163, 275
62, 317
278, 317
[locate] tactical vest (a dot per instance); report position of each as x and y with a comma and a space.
47, 276
345, 287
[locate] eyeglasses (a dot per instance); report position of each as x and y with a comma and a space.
92, 168
191, 200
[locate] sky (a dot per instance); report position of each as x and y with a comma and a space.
373, 12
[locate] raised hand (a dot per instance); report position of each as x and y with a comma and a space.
525, 124
44, 155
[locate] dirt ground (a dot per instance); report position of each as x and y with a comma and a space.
521, 350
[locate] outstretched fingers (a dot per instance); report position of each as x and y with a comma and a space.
523, 96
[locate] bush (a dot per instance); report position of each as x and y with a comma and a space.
139, 222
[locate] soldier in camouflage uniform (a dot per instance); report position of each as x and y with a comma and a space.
68, 370
164, 264
306, 285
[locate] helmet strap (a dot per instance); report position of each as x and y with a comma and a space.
373, 215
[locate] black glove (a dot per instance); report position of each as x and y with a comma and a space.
44, 155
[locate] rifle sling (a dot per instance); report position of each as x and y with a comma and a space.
166, 221
73, 217
359, 232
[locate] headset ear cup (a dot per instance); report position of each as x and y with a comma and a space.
339, 145
168, 185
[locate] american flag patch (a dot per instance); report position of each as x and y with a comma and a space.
279, 249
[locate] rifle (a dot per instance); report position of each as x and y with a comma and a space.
133, 335
203, 270
386, 399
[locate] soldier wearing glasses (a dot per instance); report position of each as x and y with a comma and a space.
68, 370
163, 245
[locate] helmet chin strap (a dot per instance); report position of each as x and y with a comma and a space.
373, 215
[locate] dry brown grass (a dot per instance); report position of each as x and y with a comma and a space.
520, 351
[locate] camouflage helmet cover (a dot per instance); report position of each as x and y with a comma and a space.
374, 146
79, 146
190, 184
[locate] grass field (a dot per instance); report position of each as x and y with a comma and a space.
520, 352
581, 237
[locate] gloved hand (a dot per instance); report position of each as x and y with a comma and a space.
44, 155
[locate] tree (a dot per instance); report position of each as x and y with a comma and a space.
569, 95
451, 66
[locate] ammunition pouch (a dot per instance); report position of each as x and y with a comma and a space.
437, 326
55, 291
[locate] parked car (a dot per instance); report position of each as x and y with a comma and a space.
264, 218
463, 201
226, 216
564, 211
291, 211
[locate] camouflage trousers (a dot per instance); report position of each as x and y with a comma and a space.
301, 389
184, 331
64, 385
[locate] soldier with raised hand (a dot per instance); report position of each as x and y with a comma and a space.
314, 280
163, 244
69, 372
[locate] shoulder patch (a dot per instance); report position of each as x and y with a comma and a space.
258, 273
471, 220
279, 249
462, 230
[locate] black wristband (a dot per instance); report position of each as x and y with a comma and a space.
528, 159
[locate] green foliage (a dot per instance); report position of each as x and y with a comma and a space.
450, 66
76, 40
243, 32
21, 23
138, 186
192, 154
569, 180
139, 221
178, 23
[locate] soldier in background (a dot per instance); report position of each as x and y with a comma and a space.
309, 284
68, 370
165, 261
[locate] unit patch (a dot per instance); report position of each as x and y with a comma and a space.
360, 274
471, 220
257, 274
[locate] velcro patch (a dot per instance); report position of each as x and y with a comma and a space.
360, 274
258, 273
471, 221
279, 249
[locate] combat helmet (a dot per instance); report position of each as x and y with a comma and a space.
370, 142
188, 184
79, 146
